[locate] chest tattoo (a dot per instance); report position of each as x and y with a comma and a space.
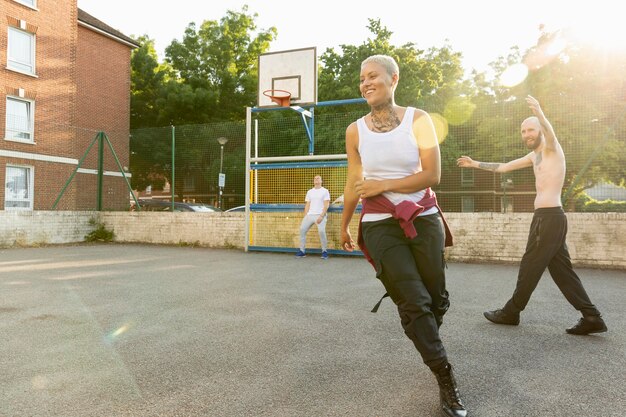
538, 159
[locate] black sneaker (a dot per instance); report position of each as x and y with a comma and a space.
501, 317
587, 325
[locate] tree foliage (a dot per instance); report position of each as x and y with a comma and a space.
583, 93
209, 75
427, 77
147, 82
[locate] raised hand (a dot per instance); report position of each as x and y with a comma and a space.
534, 106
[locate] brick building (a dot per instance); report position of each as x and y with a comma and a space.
65, 77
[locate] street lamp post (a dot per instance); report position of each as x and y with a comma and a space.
222, 141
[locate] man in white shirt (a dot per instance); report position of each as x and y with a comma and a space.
316, 205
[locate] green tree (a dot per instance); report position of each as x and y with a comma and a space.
429, 79
585, 87
581, 90
147, 82
215, 67
209, 76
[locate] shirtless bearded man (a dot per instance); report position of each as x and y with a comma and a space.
546, 246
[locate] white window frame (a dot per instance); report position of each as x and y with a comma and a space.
31, 121
467, 202
30, 185
467, 177
16, 65
27, 3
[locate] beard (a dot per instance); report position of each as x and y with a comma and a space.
535, 143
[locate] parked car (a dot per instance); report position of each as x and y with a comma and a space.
162, 205
238, 208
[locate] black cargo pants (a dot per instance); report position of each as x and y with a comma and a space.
546, 248
412, 271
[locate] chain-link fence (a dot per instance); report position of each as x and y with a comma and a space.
185, 163
593, 138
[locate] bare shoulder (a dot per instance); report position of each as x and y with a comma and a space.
419, 113
352, 130
352, 135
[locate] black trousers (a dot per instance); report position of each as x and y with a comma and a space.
546, 248
412, 271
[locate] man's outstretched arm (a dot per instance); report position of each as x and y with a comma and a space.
467, 162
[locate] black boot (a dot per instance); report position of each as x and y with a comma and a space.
588, 325
448, 392
502, 317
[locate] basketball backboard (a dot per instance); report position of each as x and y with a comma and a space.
294, 71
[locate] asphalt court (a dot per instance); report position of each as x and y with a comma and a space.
141, 330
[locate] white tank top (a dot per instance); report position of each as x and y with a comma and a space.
391, 155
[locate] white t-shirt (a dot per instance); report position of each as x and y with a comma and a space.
317, 196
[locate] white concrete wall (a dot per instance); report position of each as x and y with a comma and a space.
594, 239
219, 230
33, 228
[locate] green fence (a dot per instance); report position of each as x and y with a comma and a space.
183, 162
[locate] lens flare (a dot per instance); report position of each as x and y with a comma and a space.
113, 335
441, 126
601, 29
547, 52
513, 75
556, 46
121, 330
459, 110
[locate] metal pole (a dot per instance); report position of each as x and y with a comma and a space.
222, 141
248, 171
172, 187
221, 166
80, 163
100, 169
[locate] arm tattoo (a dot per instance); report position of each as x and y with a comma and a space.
489, 166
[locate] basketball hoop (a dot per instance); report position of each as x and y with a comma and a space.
280, 97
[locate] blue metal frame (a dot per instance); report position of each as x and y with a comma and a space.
319, 104
301, 164
294, 207
308, 251
310, 127
310, 130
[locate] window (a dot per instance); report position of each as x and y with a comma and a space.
19, 120
467, 177
18, 188
506, 204
21, 51
189, 184
29, 3
467, 204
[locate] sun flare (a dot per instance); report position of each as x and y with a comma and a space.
601, 30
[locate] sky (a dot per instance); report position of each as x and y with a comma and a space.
482, 30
